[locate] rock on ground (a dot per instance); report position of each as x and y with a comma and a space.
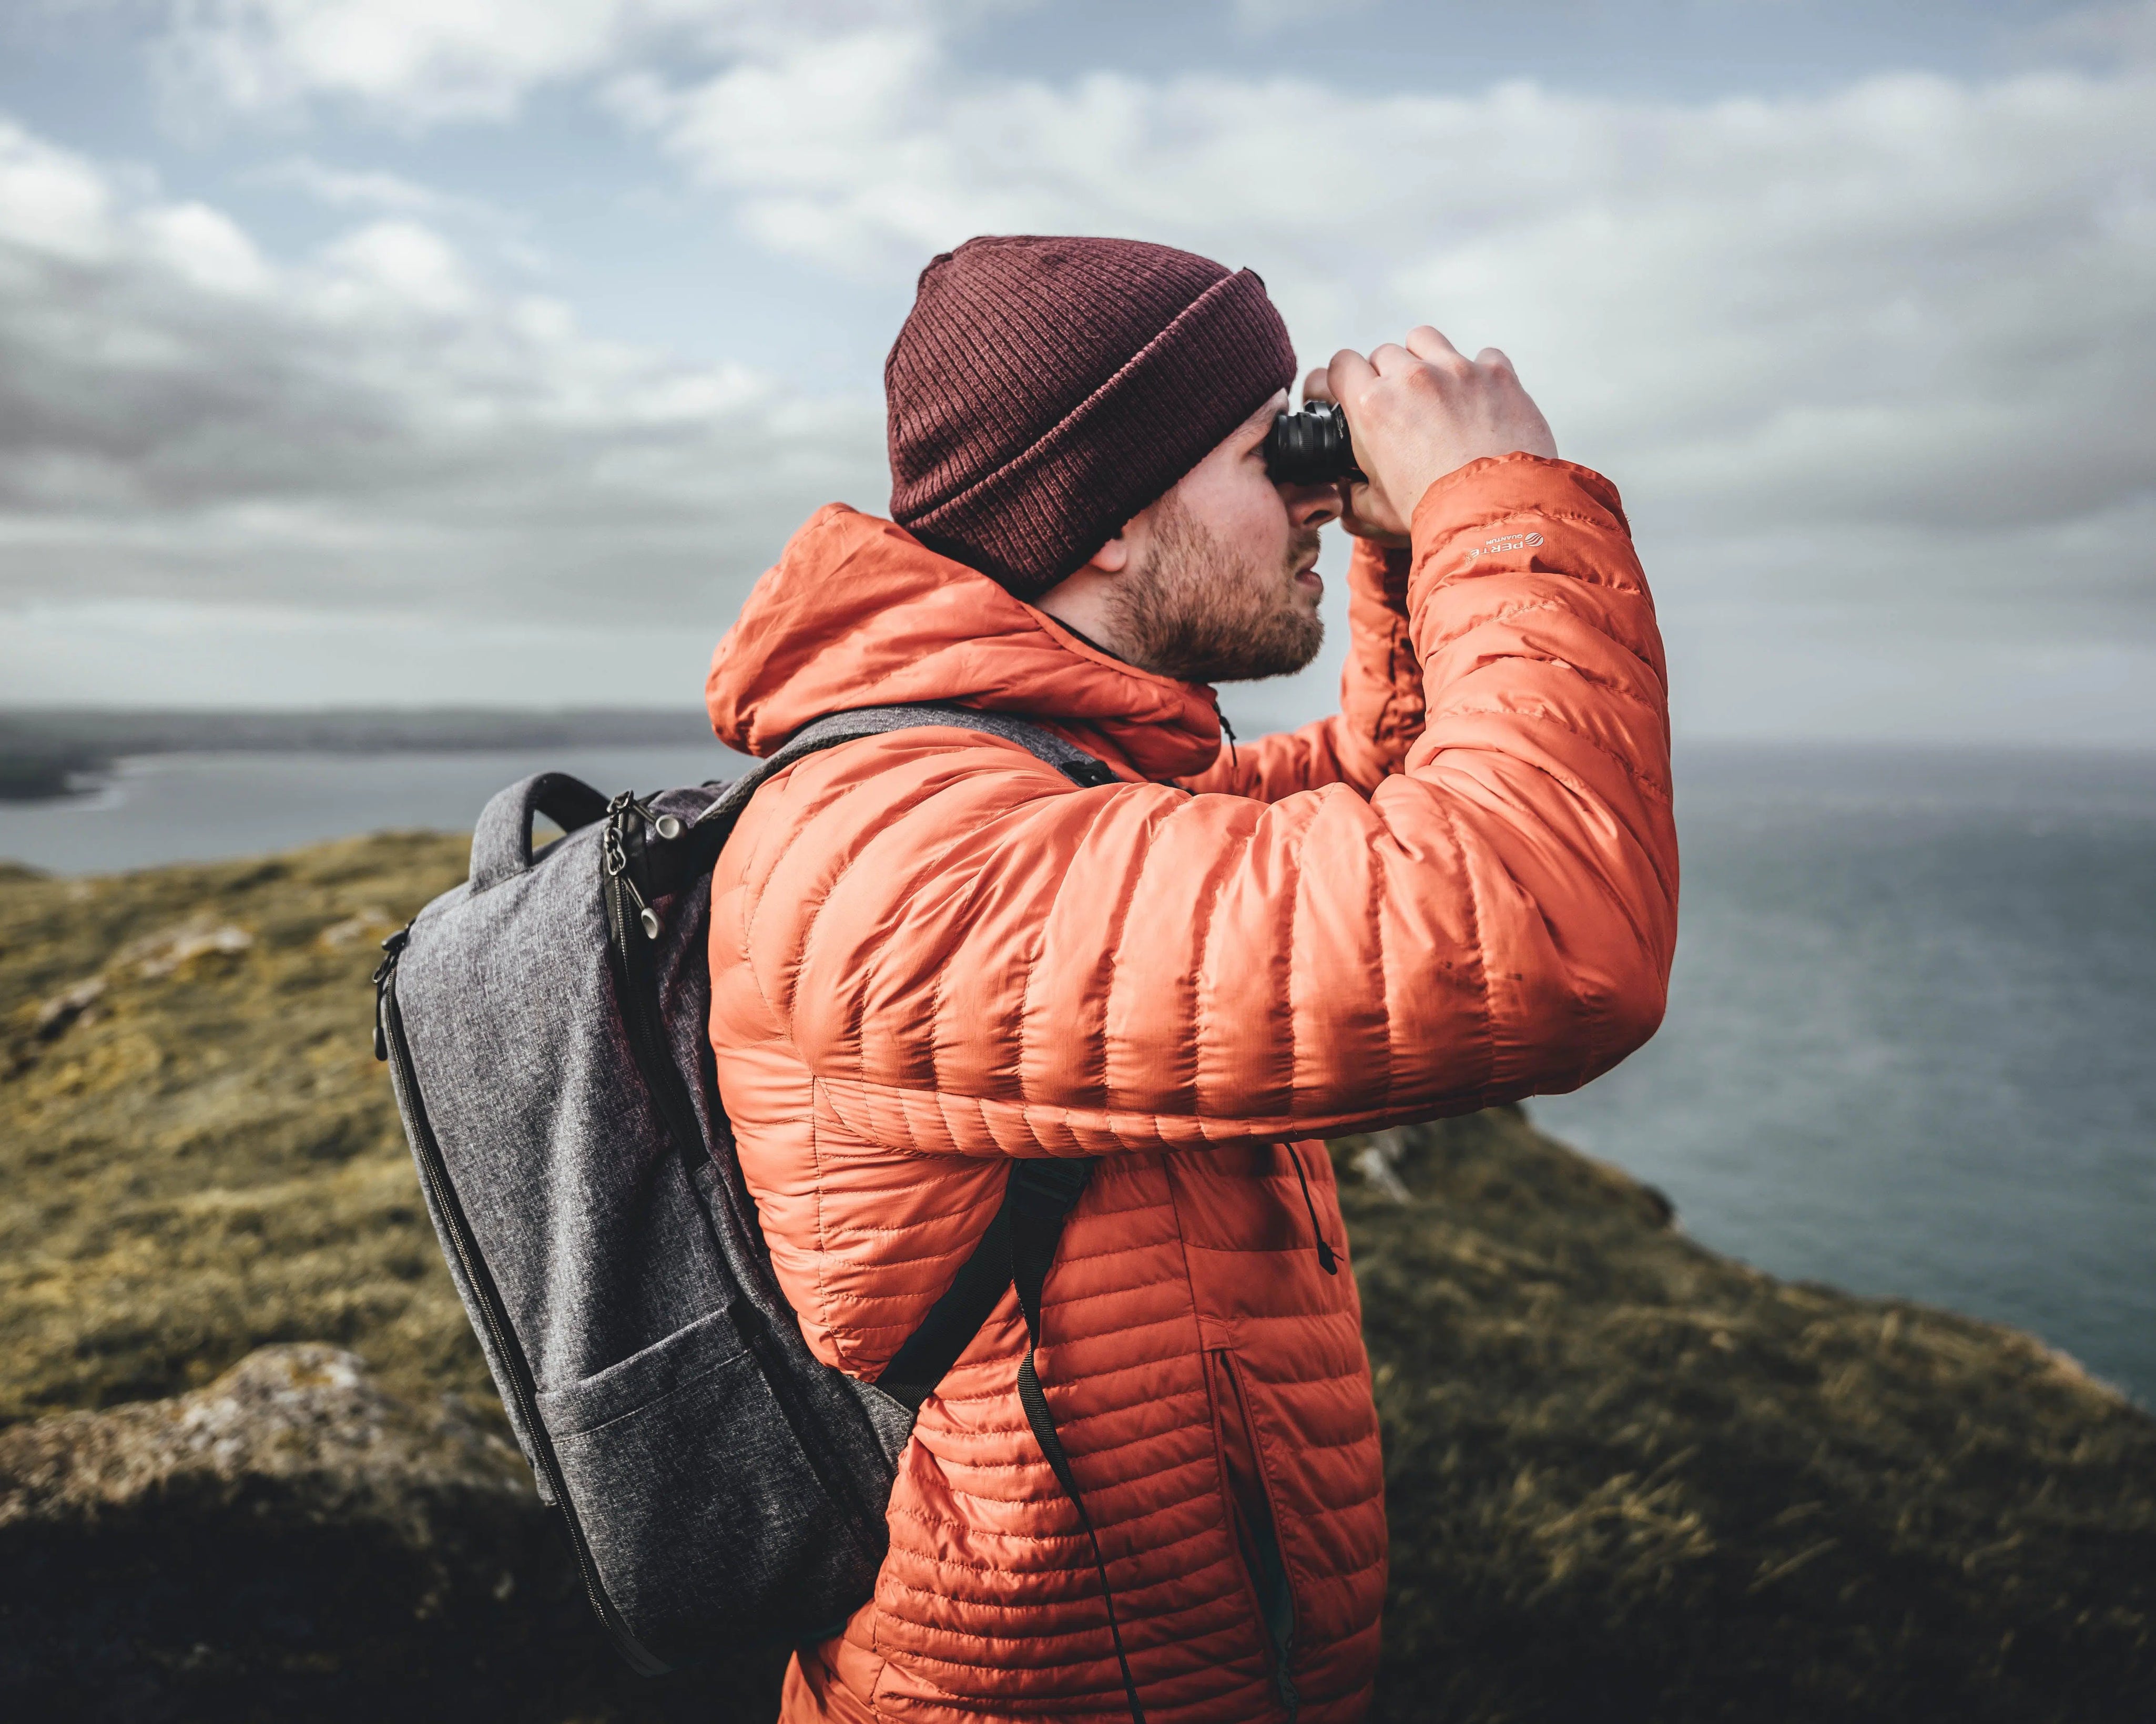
292, 1543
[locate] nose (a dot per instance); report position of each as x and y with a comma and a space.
1310, 505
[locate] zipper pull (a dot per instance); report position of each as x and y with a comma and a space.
665, 825
390, 948
647, 918
1326, 1259
615, 854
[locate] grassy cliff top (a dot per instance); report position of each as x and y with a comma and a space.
1627, 1478
198, 1152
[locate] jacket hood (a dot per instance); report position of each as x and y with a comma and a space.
858, 612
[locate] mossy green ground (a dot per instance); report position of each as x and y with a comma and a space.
207, 1158
1627, 1479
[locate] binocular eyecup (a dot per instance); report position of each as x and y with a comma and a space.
1312, 447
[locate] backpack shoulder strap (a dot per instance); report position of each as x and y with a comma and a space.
1040, 1193
716, 824
1018, 1245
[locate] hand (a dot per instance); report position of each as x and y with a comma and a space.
1317, 386
1419, 412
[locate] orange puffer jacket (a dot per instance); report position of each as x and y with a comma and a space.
930, 952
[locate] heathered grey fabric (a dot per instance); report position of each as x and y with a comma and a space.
729, 1487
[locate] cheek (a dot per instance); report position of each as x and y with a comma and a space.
1261, 527
1241, 512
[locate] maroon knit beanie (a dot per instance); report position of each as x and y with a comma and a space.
1044, 390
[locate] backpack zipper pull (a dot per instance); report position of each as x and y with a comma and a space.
615, 854
383, 971
665, 825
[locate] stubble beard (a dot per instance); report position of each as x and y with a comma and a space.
1200, 613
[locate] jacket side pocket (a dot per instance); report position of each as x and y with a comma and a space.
1257, 1533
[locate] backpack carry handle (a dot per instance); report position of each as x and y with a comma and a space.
501, 845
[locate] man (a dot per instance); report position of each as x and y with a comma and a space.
932, 953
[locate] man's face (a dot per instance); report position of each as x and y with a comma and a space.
1222, 586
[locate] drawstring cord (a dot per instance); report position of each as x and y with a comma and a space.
1228, 730
1326, 1259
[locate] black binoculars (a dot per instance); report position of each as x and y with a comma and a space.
1312, 447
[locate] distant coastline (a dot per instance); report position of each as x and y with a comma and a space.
49, 753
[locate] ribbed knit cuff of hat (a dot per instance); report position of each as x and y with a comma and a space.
1028, 503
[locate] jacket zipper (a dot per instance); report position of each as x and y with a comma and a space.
1265, 1534
390, 1044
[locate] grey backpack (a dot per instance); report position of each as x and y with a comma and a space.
546, 1025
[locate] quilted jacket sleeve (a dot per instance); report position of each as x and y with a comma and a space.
971, 957
1381, 700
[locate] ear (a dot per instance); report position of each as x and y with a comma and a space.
1113, 557
1119, 553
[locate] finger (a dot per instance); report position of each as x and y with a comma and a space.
1494, 358
1427, 343
1393, 357
1359, 508
1317, 386
1349, 374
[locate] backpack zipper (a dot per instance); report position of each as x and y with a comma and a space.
391, 1046
636, 988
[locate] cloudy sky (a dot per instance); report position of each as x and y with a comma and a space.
432, 350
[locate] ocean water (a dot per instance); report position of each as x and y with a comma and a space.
1911, 1046
199, 808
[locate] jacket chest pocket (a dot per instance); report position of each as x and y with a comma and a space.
1263, 1223
1253, 1506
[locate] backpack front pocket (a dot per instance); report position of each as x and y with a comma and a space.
670, 1457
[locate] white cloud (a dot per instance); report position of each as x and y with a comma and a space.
362, 189
1872, 366
203, 248
1896, 342
424, 62
431, 59
52, 204
374, 427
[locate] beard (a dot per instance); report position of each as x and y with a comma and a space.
1199, 611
